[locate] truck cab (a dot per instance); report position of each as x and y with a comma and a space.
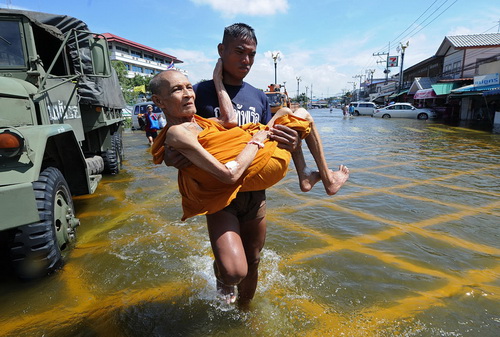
60, 130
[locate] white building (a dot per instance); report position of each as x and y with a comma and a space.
463, 54
139, 59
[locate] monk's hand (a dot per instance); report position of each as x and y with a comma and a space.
260, 136
174, 158
287, 138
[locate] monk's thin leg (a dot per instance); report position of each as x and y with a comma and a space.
332, 181
307, 177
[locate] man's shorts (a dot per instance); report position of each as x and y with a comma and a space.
248, 205
152, 134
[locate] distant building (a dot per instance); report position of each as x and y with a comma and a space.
139, 59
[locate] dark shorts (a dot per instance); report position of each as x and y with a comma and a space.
248, 205
151, 134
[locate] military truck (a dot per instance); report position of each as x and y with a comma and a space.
60, 129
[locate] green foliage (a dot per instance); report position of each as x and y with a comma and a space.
128, 84
302, 99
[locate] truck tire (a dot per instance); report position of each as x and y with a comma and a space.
37, 249
112, 157
95, 165
117, 139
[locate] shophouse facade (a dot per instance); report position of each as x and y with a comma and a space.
460, 81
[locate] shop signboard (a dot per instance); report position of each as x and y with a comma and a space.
485, 80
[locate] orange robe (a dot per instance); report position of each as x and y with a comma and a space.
201, 192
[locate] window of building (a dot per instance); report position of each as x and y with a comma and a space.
148, 71
136, 53
159, 60
149, 57
456, 67
137, 69
122, 49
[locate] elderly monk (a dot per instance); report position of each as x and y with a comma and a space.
226, 161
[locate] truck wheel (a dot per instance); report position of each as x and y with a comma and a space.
37, 248
95, 165
110, 162
117, 143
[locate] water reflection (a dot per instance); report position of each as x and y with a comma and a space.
409, 246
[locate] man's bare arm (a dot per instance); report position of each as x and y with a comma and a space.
287, 138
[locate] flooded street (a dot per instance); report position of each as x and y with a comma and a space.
410, 246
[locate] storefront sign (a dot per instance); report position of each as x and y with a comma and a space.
425, 94
484, 80
392, 61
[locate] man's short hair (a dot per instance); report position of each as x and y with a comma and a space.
239, 31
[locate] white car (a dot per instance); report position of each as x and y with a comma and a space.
404, 110
363, 108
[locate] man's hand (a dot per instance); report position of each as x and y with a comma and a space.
287, 138
174, 158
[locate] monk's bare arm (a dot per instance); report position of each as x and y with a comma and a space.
187, 144
227, 118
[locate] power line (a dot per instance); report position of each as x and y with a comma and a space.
396, 38
434, 18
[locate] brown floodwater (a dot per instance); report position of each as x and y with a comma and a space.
410, 247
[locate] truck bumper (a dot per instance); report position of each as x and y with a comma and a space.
17, 206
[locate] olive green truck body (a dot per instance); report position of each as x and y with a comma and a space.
60, 129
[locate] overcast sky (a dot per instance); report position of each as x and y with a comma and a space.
327, 43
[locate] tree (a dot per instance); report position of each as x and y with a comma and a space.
127, 84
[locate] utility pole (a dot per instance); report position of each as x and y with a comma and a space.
311, 94
370, 71
353, 88
403, 47
298, 84
276, 58
386, 71
360, 77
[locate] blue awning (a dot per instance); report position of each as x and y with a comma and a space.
491, 92
472, 87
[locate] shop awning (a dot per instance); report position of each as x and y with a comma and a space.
472, 87
443, 88
398, 94
425, 94
491, 92
472, 90
381, 97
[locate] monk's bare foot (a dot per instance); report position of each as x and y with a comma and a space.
228, 293
309, 179
336, 179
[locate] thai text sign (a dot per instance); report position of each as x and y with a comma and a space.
489, 79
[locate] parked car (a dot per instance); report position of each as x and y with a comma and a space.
140, 109
404, 110
364, 108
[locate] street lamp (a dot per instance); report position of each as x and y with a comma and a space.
403, 47
276, 58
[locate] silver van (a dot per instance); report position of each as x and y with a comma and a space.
140, 109
364, 108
